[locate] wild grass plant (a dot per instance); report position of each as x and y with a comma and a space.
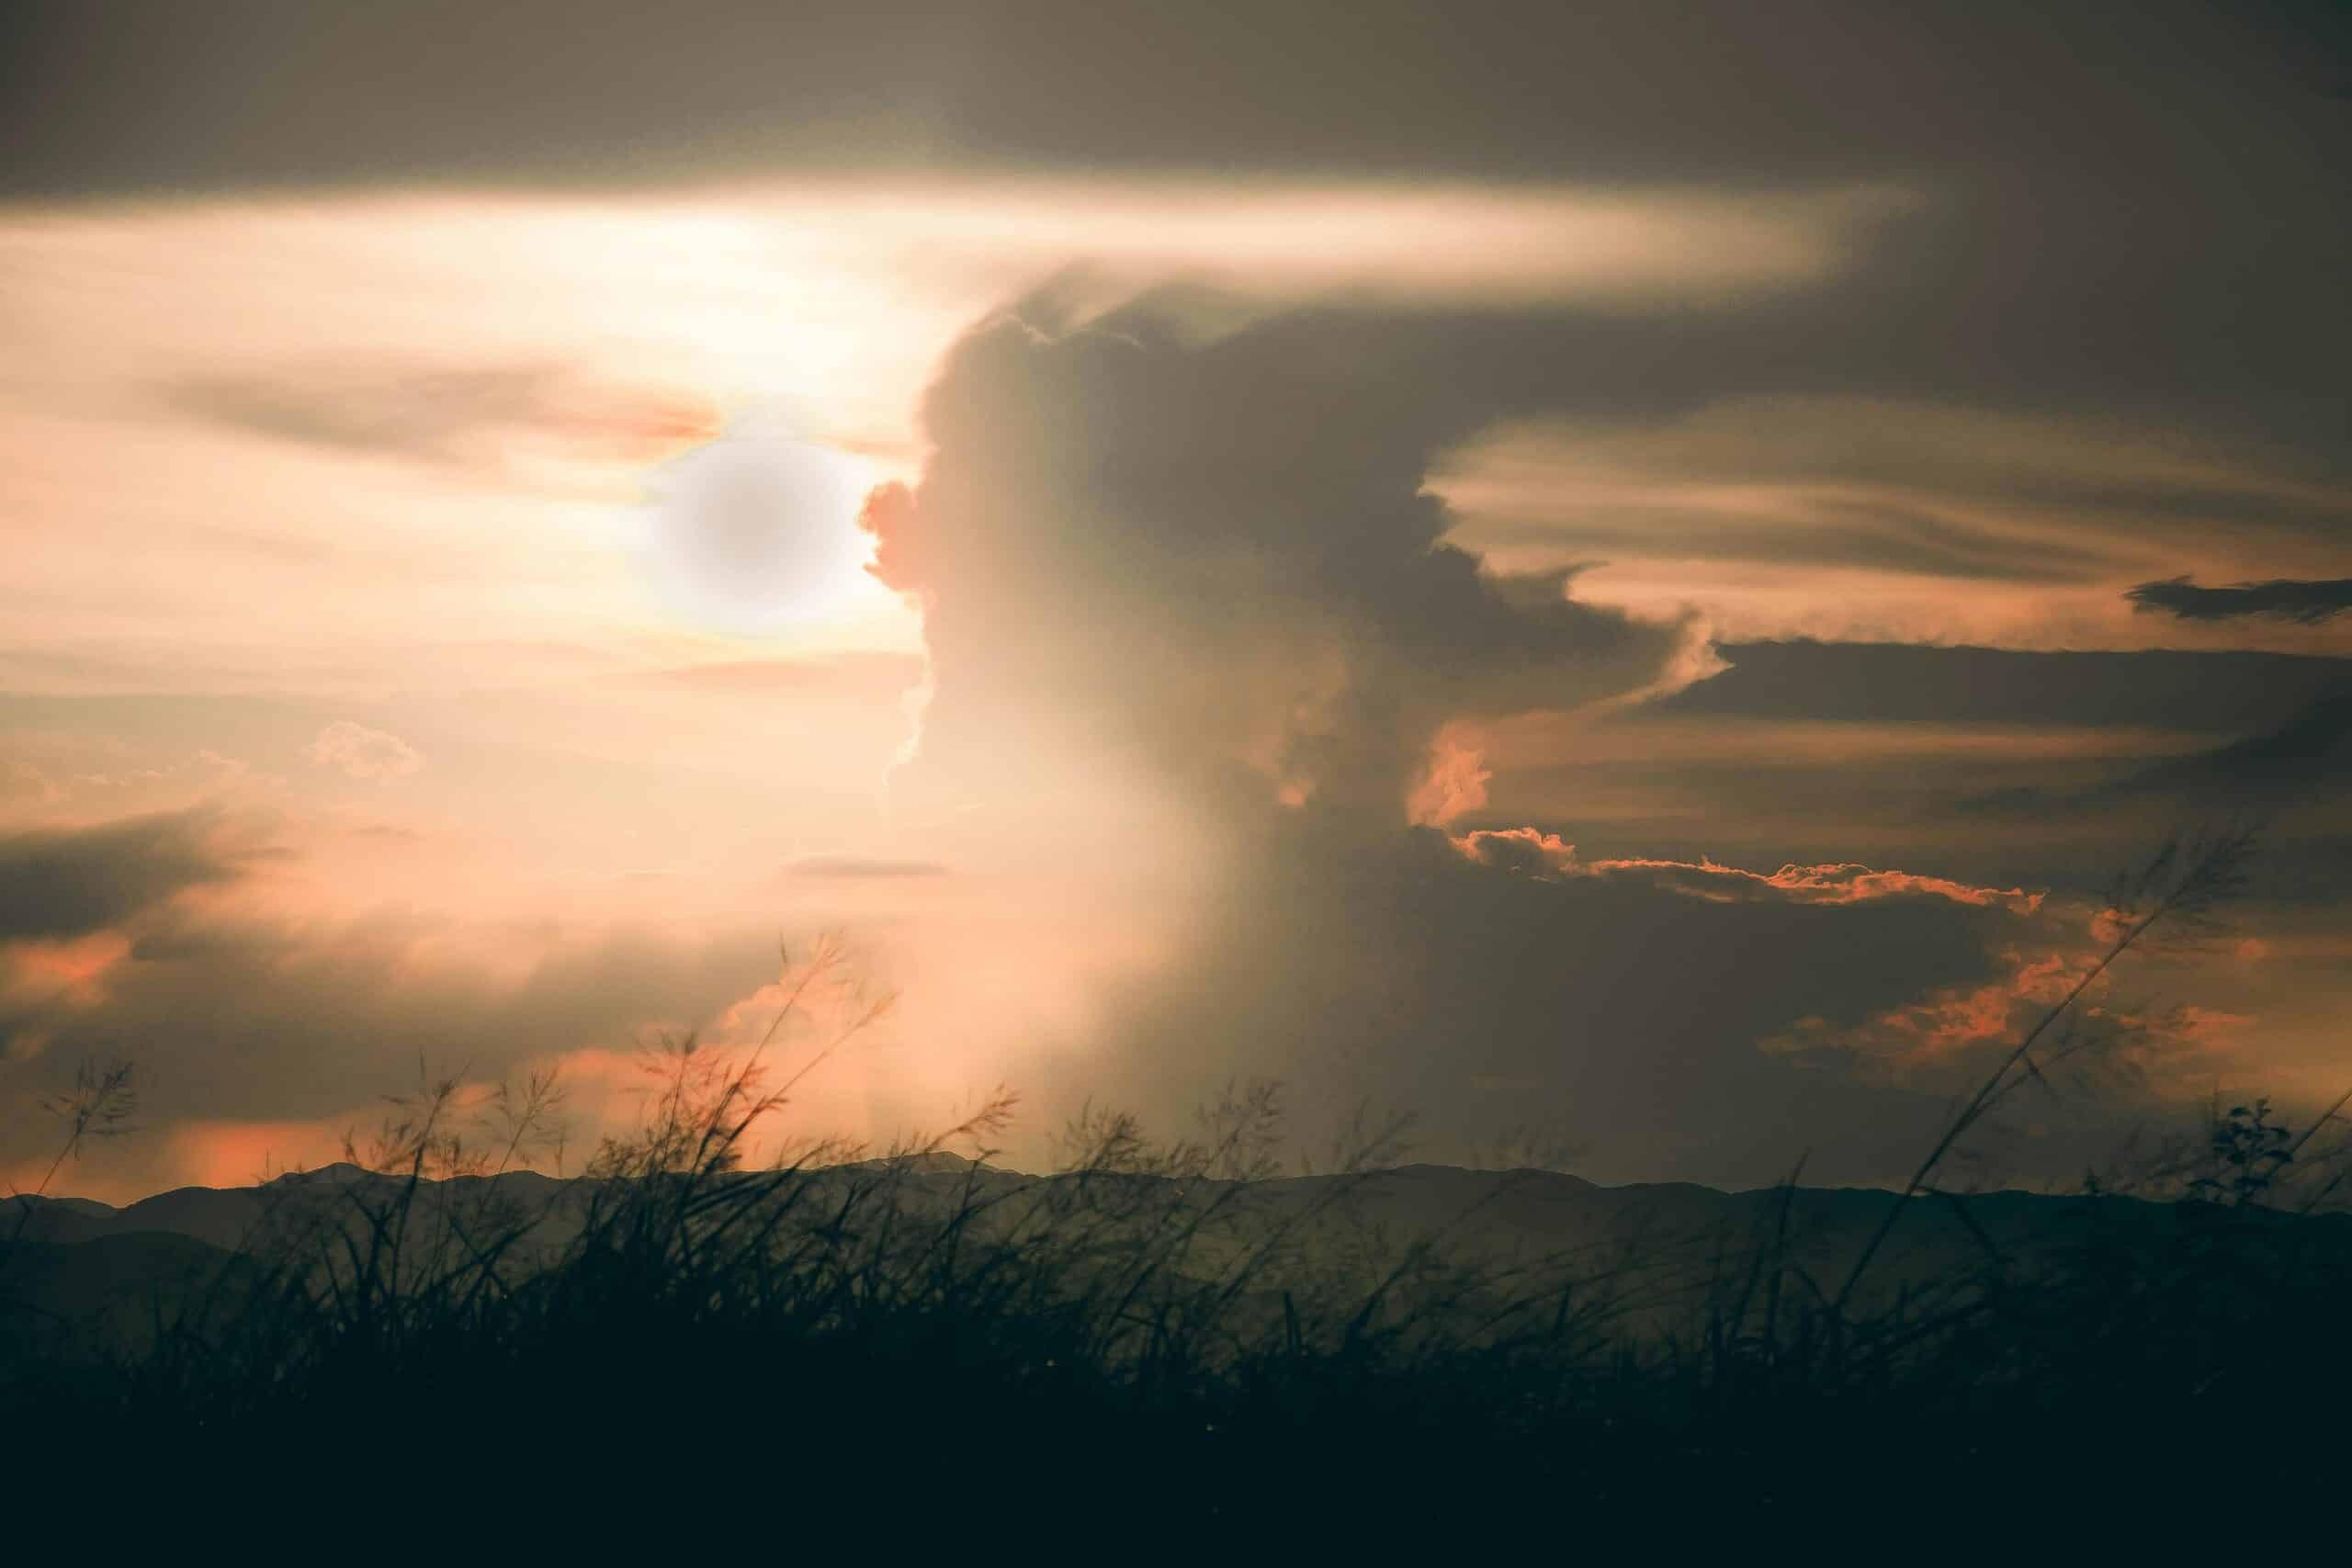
1198, 1325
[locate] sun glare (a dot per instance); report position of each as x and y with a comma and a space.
756, 533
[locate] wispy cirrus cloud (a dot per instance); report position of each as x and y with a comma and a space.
861, 868
455, 415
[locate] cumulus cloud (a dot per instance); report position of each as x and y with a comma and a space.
364, 753
2306, 602
1453, 783
1218, 568
1221, 560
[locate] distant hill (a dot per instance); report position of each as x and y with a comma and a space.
1659, 1236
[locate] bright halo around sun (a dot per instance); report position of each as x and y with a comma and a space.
757, 533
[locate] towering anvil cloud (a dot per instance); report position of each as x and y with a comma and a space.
1218, 563
1213, 567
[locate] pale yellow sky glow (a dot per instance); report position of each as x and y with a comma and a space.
394, 538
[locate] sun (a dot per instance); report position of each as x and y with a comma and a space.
756, 533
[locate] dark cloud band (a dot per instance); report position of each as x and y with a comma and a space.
2281, 598
71, 882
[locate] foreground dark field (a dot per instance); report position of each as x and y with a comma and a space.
1178, 1333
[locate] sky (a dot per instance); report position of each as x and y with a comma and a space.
1617, 578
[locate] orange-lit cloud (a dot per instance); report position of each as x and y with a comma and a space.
39, 981
1532, 851
2171, 1050
1453, 783
1849, 882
